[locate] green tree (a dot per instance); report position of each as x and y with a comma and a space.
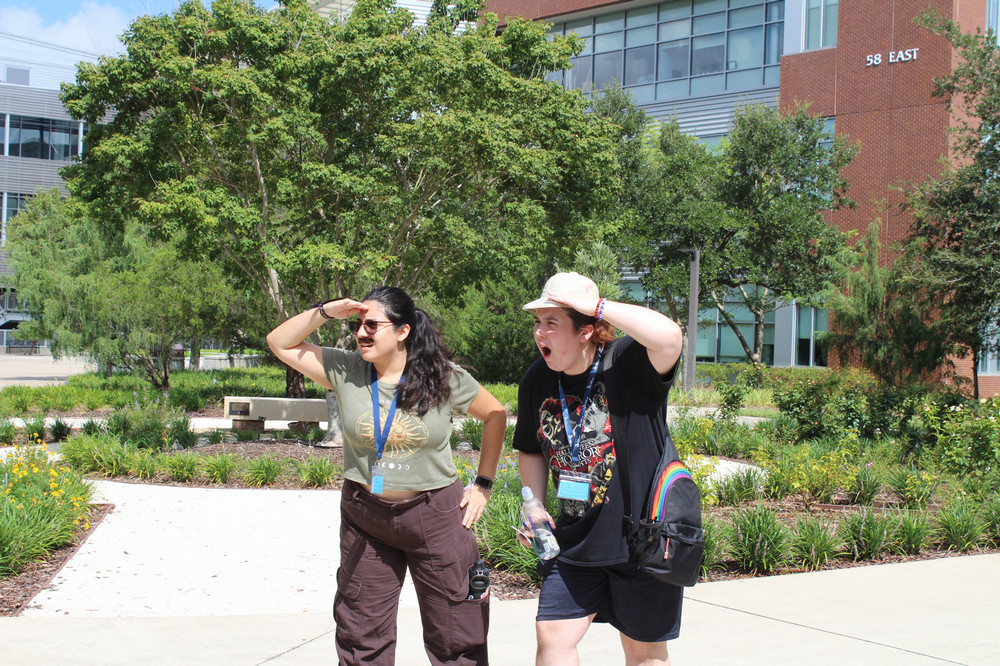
755, 210
128, 306
883, 317
956, 229
315, 160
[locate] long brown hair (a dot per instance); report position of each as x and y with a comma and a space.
603, 331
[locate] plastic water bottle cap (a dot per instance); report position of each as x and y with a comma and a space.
526, 493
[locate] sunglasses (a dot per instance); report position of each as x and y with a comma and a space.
371, 325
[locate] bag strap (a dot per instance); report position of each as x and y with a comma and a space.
621, 453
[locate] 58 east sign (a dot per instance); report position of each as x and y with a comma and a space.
876, 59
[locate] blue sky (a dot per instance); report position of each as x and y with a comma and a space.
87, 25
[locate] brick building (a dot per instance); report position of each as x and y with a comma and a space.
861, 64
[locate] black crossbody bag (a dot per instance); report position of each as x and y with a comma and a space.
666, 540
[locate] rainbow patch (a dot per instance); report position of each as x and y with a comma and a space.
668, 478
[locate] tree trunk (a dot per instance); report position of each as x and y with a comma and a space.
195, 362
334, 429
295, 384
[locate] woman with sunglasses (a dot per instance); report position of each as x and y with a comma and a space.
403, 506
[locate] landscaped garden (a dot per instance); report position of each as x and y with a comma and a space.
845, 472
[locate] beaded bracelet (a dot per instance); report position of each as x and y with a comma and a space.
599, 311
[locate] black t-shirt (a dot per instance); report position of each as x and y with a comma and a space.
628, 386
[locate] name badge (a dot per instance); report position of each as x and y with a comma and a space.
574, 486
378, 478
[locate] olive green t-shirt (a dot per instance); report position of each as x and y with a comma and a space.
417, 454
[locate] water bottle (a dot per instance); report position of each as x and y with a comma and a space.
536, 520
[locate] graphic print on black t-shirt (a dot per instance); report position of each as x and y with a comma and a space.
597, 449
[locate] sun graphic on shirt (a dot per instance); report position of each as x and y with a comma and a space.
407, 436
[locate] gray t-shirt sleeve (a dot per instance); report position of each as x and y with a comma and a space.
464, 389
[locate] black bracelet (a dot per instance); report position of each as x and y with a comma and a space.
484, 482
319, 306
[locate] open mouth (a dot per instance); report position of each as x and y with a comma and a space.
546, 351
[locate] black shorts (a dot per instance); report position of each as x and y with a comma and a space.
641, 607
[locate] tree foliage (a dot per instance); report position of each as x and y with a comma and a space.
956, 229
755, 210
884, 320
315, 159
127, 305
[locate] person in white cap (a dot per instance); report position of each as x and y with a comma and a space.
565, 402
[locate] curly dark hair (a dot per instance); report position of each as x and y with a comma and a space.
426, 376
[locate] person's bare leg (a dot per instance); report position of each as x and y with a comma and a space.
638, 653
557, 641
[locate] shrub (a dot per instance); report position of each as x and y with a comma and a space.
813, 543
959, 525
317, 471
253, 435
866, 534
143, 463
506, 394
42, 505
497, 538
221, 467
263, 471
59, 430
97, 453
34, 430
816, 476
8, 432
179, 432
738, 487
990, 512
471, 431
911, 533
967, 436
866, 486
912, 486
715, 545
182, 467
757, 541
216, 437
316, 434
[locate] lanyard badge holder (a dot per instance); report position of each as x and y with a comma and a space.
576, 485
381, 435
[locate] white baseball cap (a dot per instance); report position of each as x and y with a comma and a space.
564, 284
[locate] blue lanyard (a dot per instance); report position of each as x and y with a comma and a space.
382, 436
573, 434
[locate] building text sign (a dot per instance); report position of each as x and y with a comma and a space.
876, 59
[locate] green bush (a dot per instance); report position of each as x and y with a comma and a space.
59, 430
757, 541
42, 506
959, 525
966, 436
741, 486
469, 430
990, 512
496, 536
221, 467
263, 471
912, 532
866, 534
143, 463
813, 543
506, 394
34, 429
866, 486
317, 471
715, 545
8, 432
913, 487
182, 467
99, 453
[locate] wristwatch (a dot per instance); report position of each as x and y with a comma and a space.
484, 482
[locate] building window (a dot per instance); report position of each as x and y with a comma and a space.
11, 204
42, 138
821, 23
989, 364
15, 76
679, 48
810, 325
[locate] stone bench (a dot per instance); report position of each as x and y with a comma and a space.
251, 413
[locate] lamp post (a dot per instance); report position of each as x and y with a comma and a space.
692, 328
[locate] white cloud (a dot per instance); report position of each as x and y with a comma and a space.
94, 28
